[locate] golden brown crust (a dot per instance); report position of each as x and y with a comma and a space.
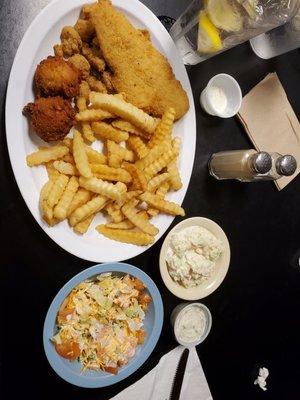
57, 77
51, 117
138, 68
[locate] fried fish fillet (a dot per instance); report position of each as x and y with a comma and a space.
138, 69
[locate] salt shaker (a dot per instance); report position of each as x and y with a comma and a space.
282, 165
243, 165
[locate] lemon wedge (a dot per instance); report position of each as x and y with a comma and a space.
225, 15
209, 40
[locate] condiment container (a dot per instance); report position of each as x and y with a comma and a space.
222, 96
191, 323
282, 165
243, 165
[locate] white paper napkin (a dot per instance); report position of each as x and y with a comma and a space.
157, 384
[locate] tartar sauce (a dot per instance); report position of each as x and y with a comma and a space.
190, 324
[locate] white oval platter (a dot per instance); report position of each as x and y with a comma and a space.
36, 45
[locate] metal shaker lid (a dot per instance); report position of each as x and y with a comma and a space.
286, 165
262, 162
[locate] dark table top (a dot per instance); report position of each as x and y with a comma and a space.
255, 311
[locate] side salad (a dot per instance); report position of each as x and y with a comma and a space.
100, 323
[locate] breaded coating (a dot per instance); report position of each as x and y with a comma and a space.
71, 41
57, 77
58, 50
84, 90
86, 10
139, 70
106, 77
93, 57
51, 117
96, 85
85, 29
82, 64
146, 33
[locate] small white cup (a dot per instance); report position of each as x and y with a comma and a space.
176, 315
231, 90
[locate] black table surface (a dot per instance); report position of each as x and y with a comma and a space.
255, 311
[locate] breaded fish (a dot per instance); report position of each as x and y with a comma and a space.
138, 69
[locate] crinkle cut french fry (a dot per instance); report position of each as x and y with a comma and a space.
115, 213
91, 207
153, 154
52, 172
82, 196
104, 188
106, 131
126, 236
65, 168
81, 104
87, 132
126, 224
46, 154
61, 209
138, 221
160, 192
57, 190
175, 179
124, 110
136, 144
165, 206
138, 177
111, 174
160, 163
83, 226
155, 182
68, 142
114, 160
128, 127
176, 143
163, 189
115, 148
94, 156
44, 194
92, 115
128, 196
68, 158
51, 221
164, 128
80, 155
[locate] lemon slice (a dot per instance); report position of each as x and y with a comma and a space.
209, 40
251, 6
225, 15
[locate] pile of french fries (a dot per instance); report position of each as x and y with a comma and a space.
128, 180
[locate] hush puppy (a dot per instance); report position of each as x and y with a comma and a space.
57, 77
51, 117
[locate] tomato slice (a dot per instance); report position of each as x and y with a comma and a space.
140, 335
69, 350
111, 370
138, 284
144, 298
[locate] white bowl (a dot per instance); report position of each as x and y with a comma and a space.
220, 270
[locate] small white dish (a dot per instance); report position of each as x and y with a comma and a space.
222, 264
175, 318
229, 88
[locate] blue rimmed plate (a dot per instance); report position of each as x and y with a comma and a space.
71, 371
